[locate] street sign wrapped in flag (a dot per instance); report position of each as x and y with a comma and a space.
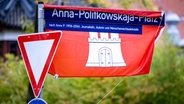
98, 42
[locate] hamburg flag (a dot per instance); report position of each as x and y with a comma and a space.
100, 42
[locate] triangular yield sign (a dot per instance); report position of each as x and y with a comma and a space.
38, 51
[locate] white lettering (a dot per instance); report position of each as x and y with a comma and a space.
140, 18
151, 20
81, 13
61, 13
155, 20
98, 16
55, 13
131, 18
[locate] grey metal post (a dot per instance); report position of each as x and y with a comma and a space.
40, 17
41, 28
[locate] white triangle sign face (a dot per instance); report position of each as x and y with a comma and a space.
38, 51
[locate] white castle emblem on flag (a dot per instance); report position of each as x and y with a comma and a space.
104, 50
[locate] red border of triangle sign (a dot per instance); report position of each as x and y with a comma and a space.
38, 50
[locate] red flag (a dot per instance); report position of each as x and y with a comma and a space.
103, 42
84, 54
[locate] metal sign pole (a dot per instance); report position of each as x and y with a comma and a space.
40, 17
41, 28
